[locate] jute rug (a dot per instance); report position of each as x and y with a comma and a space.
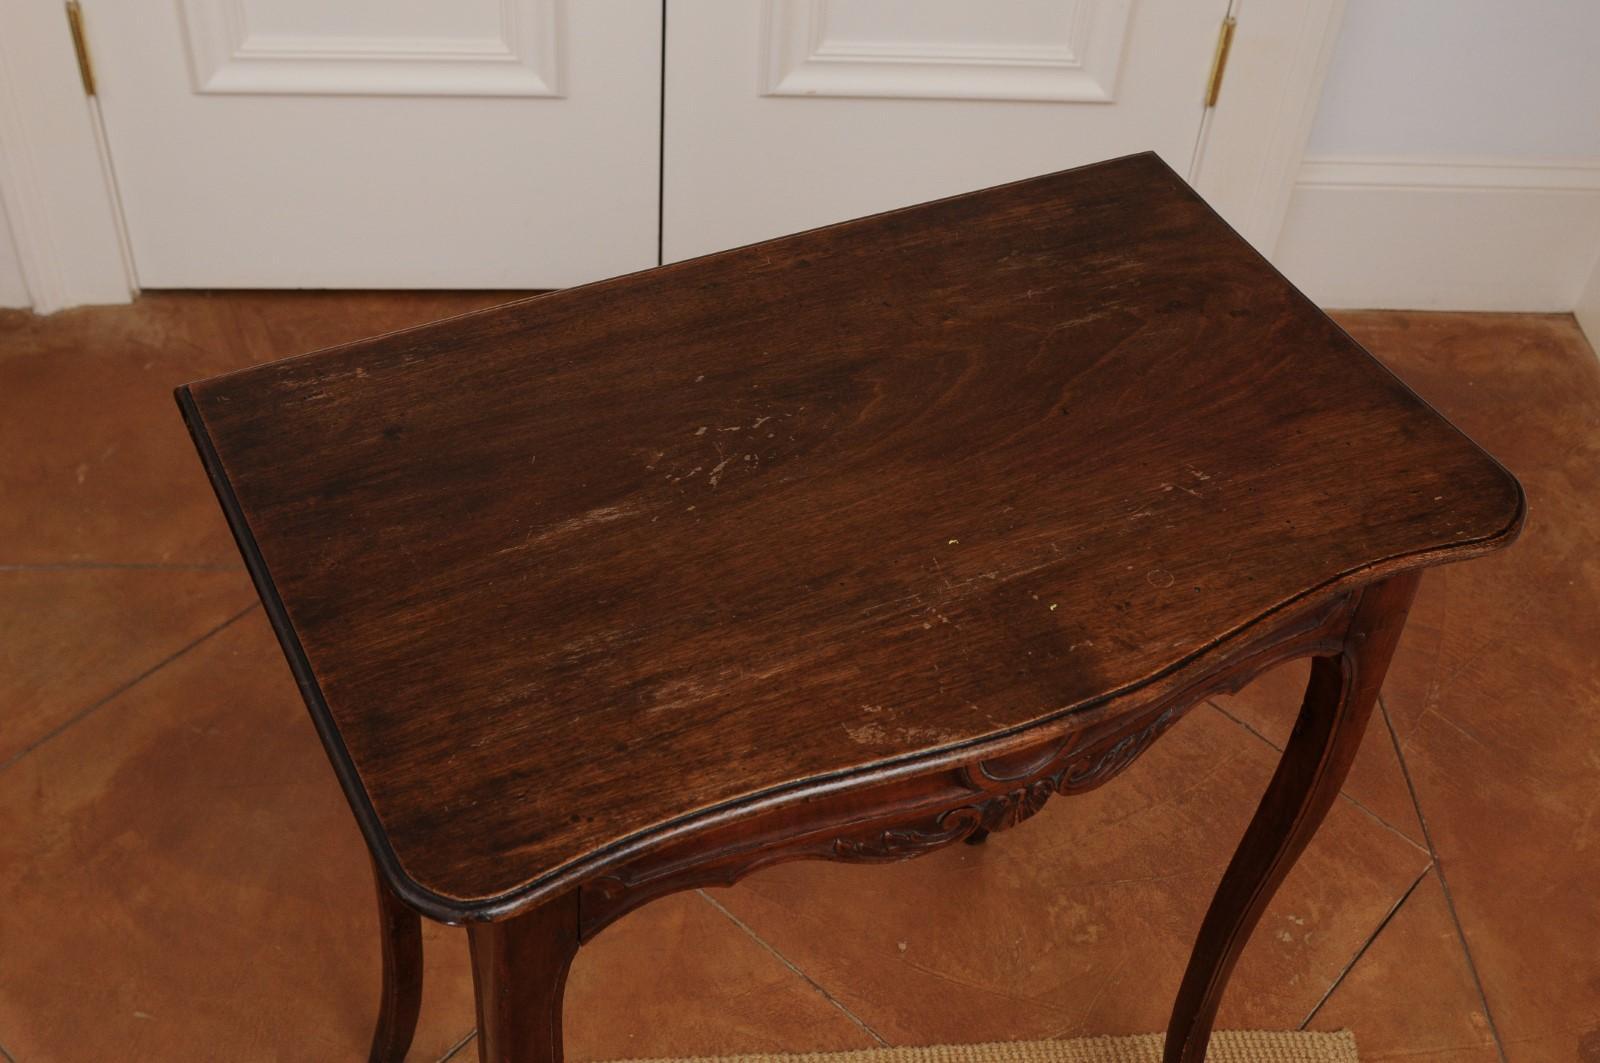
1227, 1046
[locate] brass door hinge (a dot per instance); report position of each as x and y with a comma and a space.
80, 44
1219, 62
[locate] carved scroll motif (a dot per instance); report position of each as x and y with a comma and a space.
1074, 770
899, 843
1088, 772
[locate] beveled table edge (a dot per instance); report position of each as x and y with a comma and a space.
507, 903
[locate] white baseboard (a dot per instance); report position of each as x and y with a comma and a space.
1443, 234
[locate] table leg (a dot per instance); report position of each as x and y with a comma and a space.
519, 970
1338, 701
400, 930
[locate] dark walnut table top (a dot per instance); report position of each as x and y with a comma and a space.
559, 575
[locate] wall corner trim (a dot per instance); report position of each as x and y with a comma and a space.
1587, 310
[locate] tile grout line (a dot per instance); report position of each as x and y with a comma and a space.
1365, 945
1385, 824
456, 1048
124, 688
116, 566
1241, 723
812, 982
1444, 883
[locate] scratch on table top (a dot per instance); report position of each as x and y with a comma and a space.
872, 733
538, 535
866, 734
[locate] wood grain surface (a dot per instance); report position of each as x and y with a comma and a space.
561, 574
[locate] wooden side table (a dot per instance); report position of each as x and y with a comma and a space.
850, 545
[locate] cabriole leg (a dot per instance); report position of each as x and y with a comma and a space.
519, 970
1333, 717
400, 930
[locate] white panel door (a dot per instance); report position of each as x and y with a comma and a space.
782, 115
382, 143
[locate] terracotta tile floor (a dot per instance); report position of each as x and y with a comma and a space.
180, 878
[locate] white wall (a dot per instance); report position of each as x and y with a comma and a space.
13, 292
1455, 158
1468, 78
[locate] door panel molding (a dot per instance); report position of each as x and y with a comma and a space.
65, 221
806, 56
522, 58
362, 167
747, 156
